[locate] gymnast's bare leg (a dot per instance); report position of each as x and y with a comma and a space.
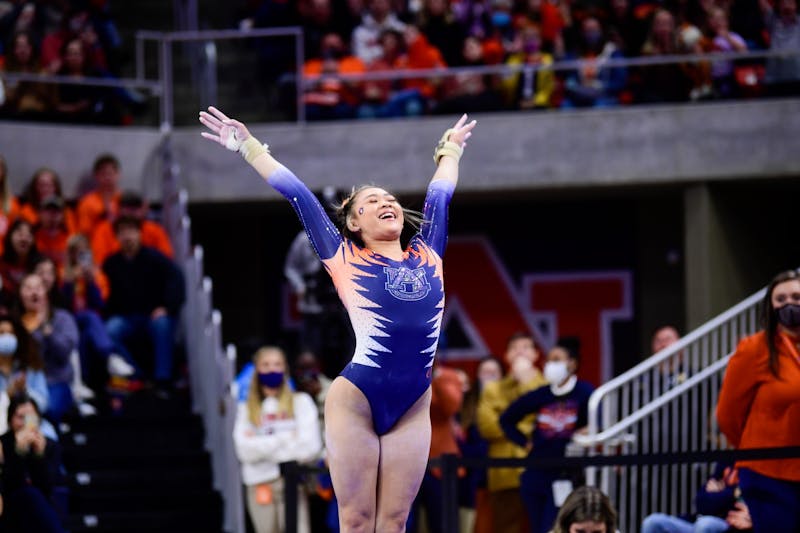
360, 460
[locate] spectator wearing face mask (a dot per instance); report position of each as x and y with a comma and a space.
561, 409
21, 365
273, 426
531, 89
758, 407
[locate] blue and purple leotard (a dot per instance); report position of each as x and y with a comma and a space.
395, 307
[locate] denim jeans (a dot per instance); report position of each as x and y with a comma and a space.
159, 331
663, 523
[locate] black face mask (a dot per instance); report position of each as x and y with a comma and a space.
789, 315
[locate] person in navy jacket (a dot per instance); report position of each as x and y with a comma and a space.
561, 410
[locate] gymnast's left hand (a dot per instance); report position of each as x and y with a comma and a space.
462, 130
226, 131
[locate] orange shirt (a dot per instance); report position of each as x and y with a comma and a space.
757, 410
331, 86
53, 245
92, 210
422, 55
104, 241
446, 399
31, 214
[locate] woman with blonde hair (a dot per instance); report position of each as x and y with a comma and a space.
274, 425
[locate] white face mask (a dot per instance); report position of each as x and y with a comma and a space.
8, 344
555, 372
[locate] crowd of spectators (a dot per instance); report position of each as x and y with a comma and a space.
387, 36
79, 39
74, 325
76, 39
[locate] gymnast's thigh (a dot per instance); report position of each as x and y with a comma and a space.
403, 461
352, 447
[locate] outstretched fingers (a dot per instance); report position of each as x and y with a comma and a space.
462, 130
217, 113
211, 137
460, 122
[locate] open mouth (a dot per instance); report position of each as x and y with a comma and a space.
388, 215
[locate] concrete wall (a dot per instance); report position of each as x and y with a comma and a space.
509, 151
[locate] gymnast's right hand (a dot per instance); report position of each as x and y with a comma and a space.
226, 131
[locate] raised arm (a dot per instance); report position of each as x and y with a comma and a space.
449, 150
234, 136
446, 156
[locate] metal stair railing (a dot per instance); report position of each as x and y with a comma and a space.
664, 404
212, 367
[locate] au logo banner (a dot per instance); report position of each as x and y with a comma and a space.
489, 307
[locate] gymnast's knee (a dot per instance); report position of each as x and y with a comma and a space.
392, 521
353, 520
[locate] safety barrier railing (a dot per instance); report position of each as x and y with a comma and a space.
212, 367
450, 467
664, 405
165, 41
204, 64
561, 65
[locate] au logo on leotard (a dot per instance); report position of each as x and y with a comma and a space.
407, 284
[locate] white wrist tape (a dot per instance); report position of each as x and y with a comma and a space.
447, 147
251, 148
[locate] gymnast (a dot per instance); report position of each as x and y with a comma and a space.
377, 412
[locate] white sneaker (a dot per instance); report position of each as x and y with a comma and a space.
86, 409
81, 392
118, 366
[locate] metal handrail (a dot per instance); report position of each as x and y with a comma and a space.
166, 39
153, 86
664, 404
615, 430
626, 377
561, 65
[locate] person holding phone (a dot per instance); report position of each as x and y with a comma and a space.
30, 464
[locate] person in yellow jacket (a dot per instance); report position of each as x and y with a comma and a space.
508, 514
530, 88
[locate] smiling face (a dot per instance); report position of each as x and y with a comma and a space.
376, 215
